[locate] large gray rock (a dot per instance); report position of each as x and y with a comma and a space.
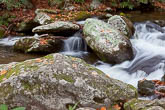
57, 26
123, 24
47, 44
135, 104
56, 81
109, 44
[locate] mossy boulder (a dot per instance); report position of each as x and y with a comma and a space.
56, 81
47, 44
135, 104
81, 15
122, 24
108, 43
2, 32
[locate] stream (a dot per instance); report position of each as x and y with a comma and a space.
148, 45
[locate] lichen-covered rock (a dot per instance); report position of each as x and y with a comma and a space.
123, 24
135, 104
48, 44
57, 26
109, 44
2, 32
56, 81
42, 18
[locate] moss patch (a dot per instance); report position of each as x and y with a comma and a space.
65, 77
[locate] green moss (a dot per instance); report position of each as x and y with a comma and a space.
65, 77
49, 57
132, 87
81, 16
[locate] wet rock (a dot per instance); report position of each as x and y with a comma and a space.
161, 89
159, 22
57, 26
2, 32
163, 78
109, 44
42, 18
146, 87
47, 44
56, 81
136, 104
122, 24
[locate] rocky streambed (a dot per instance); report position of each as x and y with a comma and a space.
114, 50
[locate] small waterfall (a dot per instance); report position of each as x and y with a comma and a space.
75, 43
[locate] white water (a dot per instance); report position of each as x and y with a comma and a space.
75, 45
149, 61
9, 41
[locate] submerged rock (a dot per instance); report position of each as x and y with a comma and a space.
57, 26
56, 81
109, 44
136, 104
122, 24
47, 44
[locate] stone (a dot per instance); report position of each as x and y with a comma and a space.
47, 44
56, 81
57, 26
95, 4
135, 104
122, 24
146, 87
109, 44
42, 18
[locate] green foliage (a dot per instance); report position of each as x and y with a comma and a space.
11, 4
5, 107
74, 107
79, 1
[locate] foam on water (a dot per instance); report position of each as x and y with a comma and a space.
9, 41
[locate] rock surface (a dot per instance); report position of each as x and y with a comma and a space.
136, 104
47, 44
108, 43
42, 18
56, 81
146, 87
57, 26
122, 24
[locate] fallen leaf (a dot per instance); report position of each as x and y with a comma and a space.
38, 60
103, 108
3, 72
117, 107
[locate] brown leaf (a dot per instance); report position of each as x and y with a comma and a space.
3, 72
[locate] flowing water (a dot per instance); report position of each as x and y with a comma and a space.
149, 54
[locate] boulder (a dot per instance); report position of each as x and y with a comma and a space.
122, 24
159, 22
48, 44
146, 87
57, 26
56, 81
109, 44
42, 18
135, 104
2, 32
